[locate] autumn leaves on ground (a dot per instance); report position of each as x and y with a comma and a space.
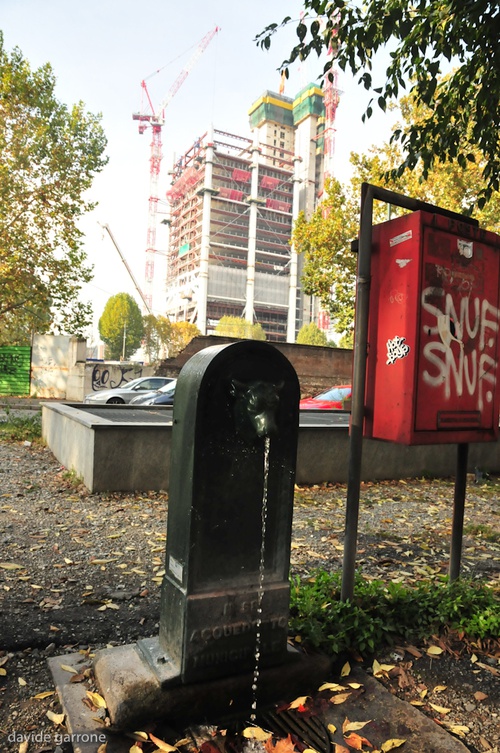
79, 571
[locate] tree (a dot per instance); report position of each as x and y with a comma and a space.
151, 338
421, 38
49, 155
311, 334
121, 326
181, 334
235, 326
166, 339
329, 265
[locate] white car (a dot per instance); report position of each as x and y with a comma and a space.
163, 396
126, 392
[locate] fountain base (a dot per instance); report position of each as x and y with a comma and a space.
134, 694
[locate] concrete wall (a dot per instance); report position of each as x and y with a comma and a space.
105, 375
59, 369
112, 456
57, 366
323, 455
317, 367
106, 455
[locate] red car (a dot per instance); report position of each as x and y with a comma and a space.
332, 399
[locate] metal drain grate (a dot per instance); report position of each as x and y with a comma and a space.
306, 729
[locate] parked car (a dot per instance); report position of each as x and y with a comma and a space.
163, 396
332, 399
126, 392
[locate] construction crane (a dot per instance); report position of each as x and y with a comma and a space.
331, 100
131, 274
156, 120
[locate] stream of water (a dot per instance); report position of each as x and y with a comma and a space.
260, 592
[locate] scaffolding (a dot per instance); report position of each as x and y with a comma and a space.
232, 205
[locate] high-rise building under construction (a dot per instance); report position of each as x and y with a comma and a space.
233, 201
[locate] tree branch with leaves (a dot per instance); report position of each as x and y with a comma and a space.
425, 39
49, 156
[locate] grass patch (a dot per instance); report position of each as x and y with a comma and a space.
382, 614
25, 428
484, 531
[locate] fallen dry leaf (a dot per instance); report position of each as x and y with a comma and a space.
56, 718
44, 694
356, 741
256, 733
493, 670
285, 745
340, 748
353, 726
395, 742
96, 699
300, 701
479, 696
434, 650
67, 668
161, 744
439, 709
330, 686
340, 698
457, 729
80, 677
139, 735
346, 670
413, 650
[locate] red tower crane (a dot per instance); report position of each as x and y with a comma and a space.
156, 119
331, 100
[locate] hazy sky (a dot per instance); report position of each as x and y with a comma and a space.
101, 50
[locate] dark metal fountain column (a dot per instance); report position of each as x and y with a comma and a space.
228, 399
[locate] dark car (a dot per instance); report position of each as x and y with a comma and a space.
163, 396
332, 399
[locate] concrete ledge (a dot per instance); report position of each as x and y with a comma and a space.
323, 455
111, 453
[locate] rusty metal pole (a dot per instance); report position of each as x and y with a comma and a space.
358, 393
457, 528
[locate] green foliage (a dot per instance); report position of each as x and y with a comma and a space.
166, 339
181, 334
121, 326
234, 326
151, 338
311, 334
329, 265
381, 614
483, 531
49, 155
422, 38
23, 428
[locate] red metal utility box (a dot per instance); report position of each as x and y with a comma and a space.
433, 333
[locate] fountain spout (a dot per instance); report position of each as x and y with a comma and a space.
255, 406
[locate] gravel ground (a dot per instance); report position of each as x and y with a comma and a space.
80, 571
